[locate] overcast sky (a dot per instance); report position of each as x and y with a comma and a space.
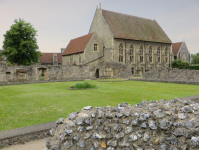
59, 21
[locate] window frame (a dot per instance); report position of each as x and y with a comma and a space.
141, 54
121, 51
131, 53
95, 47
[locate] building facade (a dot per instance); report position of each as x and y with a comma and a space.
137, 42
180, 51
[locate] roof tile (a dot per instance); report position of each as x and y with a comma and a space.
176, 48
78, 45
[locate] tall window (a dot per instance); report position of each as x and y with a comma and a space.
95, 47
131, 53
166, 54
150, 54
141, 54
71, 59
80, 59
120, 52
158, 53
55, 58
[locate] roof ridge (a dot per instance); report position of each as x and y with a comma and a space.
177, 42
82, 36
129, 15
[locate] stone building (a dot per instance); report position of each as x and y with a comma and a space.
137, 42
180, 51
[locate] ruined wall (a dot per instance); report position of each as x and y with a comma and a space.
154, 125
113, 70
172, 74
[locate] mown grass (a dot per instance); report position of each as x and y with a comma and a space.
84, 85
30, 104
110, 80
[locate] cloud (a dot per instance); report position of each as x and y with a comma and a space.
31, 4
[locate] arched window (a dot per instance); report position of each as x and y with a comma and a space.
131, 53
158, 53
80, 61
150, 54
141, 54
71, 59
166, 54
120, 52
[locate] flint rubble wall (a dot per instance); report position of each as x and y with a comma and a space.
154, 125
168, 74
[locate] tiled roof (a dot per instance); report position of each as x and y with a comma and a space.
136, 28
78, 45
176, 48
48, 58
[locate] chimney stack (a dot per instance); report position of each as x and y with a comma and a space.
62, 50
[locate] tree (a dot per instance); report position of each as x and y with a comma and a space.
1, 56
178, 63
20, 44
195, 58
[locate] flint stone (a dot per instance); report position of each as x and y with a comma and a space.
190, 124
89, 128
87, 135
109, 115
76, 137
60, 121
119, 115
72, 124
80, 129
81, 144
55, 147
144, 116
165, 124
96, 144
124, 143
175, 100
121, 109
146, 137
92, 148
136, 115
195, 141
92, 115
178, 132
97, 136
100, 114
80, 121
144, 125
109, 136
73, 115
158, 114
127, 113
68, 132
181, 116
67, 144
52, 131
124, 104
163, 147
173, 148
139, 133
87, 108
89, 121
172, 140
126, 122
119, 135
132, 137
110, 148
128, 130
187, 109
134, 122
152, 124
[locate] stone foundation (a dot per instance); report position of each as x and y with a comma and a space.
154, 125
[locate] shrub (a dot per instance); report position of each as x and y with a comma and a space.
84, 85
180, 64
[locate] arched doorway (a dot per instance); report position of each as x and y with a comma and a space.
97, 73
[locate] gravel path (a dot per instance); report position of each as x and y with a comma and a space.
33, 145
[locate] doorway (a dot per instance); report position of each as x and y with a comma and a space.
97, 73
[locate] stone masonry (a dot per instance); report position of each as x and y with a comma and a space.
172, 75
154, 125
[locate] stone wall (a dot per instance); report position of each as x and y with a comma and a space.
172, 75
67, 72
154, 125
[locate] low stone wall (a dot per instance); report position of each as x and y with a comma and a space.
154, 125
168, 74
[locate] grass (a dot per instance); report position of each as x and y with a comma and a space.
139, 76
30, 104
84, 85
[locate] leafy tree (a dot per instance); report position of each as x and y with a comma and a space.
195, 58
178, 63
1, 56
20, 43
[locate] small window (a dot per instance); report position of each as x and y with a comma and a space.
7, 73
80, 59
166, 53
95, 47
131, 53
120, 52
150, 54
55, 58
158, 54
141, 54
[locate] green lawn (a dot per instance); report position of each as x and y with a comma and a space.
30, 104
